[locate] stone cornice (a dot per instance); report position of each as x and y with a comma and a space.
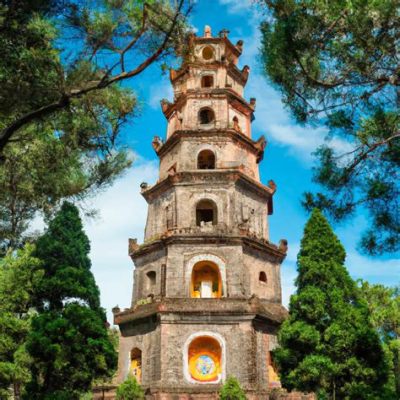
234, 99
186, 236
226, 176
233, 309
256, 147
240, 75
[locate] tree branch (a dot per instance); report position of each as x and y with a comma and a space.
64, 101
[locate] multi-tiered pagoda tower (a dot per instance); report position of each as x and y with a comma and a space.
206, 298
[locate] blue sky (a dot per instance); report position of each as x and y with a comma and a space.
288, 161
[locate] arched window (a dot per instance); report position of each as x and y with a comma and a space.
206, 213
206, 160
207, 81
206, 281
205, 359
207, 53
206, 116
136, 364
262, 277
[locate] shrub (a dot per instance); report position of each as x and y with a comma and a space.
130, 390
231, 390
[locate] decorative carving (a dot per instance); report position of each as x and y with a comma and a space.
132, 245
207, 32
156, 143
272, 185
239, 45
116, 310
245, 73
144, 185
164, 105
283, 245
224, 33
172, 74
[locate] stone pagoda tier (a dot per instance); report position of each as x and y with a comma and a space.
206, 300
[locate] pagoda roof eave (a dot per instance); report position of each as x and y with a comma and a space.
180, 236
257, 147
228, 175
224, 307
236, 100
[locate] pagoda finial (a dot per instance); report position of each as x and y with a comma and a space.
207, 31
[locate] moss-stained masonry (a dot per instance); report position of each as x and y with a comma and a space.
210, 215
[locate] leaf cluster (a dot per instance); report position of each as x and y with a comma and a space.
18, 276
62, 99
130, 390
336, 63
231, 390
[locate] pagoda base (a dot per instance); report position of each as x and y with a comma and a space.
109, 393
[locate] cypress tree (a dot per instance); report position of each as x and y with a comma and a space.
328, 345
68, 342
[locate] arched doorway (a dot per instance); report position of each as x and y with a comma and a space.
206, 281
136, 364
205, 359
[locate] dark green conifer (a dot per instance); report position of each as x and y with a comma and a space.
68, 342
328, 345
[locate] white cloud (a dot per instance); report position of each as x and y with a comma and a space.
122, 215
158, 91
237, 6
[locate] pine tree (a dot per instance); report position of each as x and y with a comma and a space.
328, 345
68, 341
19, 271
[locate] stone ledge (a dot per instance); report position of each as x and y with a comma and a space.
182, 236
211, 308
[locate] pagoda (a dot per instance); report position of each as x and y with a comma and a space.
206, 301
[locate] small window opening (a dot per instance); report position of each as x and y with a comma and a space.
206, 160
207, 81
206, 116
263, 277
136, 364
206, 213
208, 53
151, 275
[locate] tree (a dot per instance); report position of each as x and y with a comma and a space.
328, 345
384, 309
68, 342
130, 390
336, 63
19, 272
231, 390
62, 112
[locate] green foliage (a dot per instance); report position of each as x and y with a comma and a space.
62, 101
18, 275
68, 342
336, 64
384, 311
231, 390
328, 344
130, 390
